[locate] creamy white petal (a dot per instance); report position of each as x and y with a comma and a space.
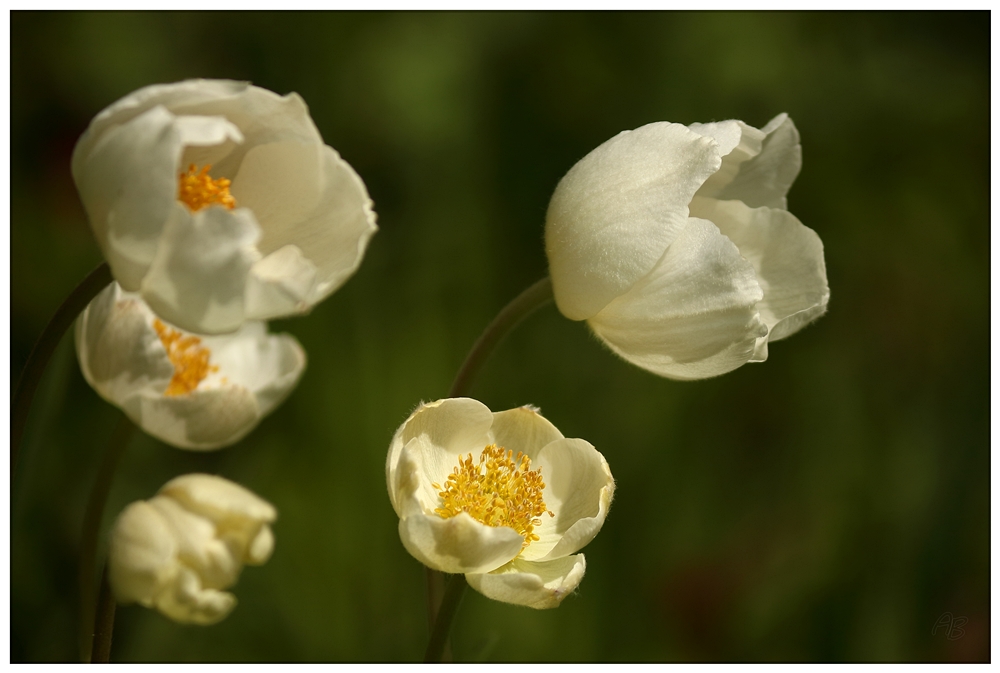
578, 491
281, 284
269, 365
524, 430
765, 179
694, 315
618, 209
787, 257
261, 547
188, 602
142, 555
198, 279
128, 185
459, 544
539, 585
738, 143
201, 420
456, 425
218, 499
198, 545
119, 351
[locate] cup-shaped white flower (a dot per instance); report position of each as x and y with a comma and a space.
675, 244
279, 223
502, 497
192, 392
177, 551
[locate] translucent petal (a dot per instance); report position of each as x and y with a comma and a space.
618, 209
524, 430
578, 491
764, 180
787, 257
142, 554
694, 315
459, 544
539, 585
202, 420
198, 278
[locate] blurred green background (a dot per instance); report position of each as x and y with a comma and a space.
829, 504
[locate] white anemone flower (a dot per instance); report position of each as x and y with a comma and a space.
502, 497
177, 551
675, 244
193, 392
279, 223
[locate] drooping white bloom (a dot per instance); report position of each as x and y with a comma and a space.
192, 392
675, 244
177, 551
502, 497
280, 222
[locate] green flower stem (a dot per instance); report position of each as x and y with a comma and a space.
537, 295
518, 309
442, 626
105, 623
92, 517
74, 304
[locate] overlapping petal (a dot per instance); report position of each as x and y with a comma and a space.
124, 358
577, 494
299, 229
177, 551
733, 269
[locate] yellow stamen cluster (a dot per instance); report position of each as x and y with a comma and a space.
198, 190
188, 356
508, 493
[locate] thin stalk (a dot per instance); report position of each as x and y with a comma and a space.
442, 626
64, 316
104, 625
92, 517
518, 309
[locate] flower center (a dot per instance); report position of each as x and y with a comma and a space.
189, 358
197, 189
508, 493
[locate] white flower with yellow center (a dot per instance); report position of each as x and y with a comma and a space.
218, 202
178, 550
192, 392
675, 244
501, 497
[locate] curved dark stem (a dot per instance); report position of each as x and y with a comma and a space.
105, 624
513, 313
92, 517
74, 304
442, 625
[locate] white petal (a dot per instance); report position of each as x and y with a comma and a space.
738, 143
201, 420
198, 278
523, 430
694, 315
142, 555
261, 547
198, 546
535, 585
128, 185
305, 195
578, 491
787, 257
120, 353
188, 602
218, 499
618, 209
268, 365
459, 544
456, 425
765, 179
281, 284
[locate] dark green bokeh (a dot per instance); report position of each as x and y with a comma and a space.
829, 504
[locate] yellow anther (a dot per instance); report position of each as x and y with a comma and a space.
198, 190
188, 356
508, 493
